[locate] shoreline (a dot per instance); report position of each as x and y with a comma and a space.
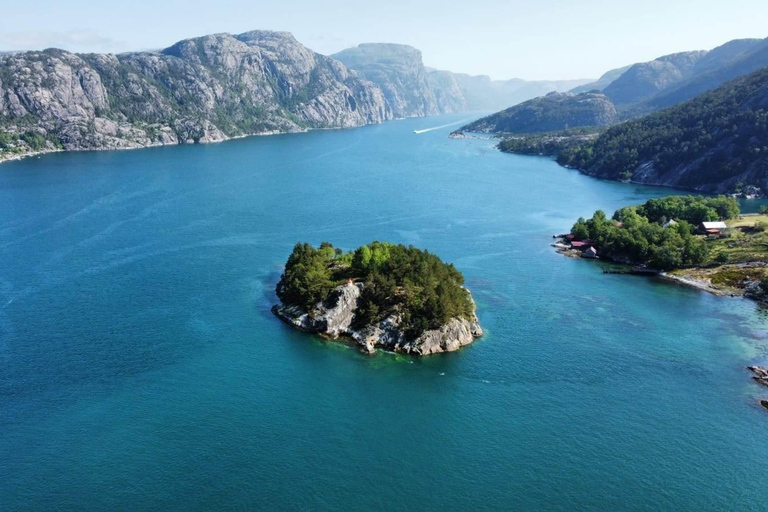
628, 182
31, 154
700, 284
17, 157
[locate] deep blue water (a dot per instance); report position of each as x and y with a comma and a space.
141, 369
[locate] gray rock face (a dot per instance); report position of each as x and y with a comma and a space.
334, 319
399, 71
414, 90
205, 89
553, 112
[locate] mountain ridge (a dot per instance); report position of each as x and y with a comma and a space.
203, 89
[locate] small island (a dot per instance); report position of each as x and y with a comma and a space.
381, 295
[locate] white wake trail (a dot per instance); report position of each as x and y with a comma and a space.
419, 132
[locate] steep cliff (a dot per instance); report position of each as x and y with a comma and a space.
414, 90
198, 90
555, 111
399, 71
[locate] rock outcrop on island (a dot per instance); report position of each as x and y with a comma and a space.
395, 298
336, 321
553, 112
205, 89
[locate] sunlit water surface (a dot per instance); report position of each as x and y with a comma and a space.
141, 369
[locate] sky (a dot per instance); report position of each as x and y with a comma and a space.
534, 40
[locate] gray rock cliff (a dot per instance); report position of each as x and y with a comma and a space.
334, 317
205, 89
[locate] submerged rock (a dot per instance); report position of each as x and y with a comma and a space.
760, 374
334, 317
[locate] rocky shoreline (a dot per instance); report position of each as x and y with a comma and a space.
224, 138
333, 319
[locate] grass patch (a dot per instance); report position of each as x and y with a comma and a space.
747, 220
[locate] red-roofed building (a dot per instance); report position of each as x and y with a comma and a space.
579, 245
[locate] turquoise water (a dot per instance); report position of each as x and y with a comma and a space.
141, 369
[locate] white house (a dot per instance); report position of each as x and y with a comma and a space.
712, 228
670, 222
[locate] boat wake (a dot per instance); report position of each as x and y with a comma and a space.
419, 132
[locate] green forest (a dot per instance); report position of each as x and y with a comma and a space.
415, 283
639, 234
721, 133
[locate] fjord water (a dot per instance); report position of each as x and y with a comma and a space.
141, 369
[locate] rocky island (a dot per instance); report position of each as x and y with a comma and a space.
381, 295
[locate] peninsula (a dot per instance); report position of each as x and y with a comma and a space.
381, 295
698, 241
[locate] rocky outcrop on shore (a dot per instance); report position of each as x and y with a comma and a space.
334, 318
760, 374
205, 89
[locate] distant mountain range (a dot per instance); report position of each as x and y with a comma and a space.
219, 86
414, 90
716, 142
641, 88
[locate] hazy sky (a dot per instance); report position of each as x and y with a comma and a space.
545, 39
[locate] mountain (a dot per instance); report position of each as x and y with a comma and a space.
644, 80
717, 142
479, 93
555, 111
399, 71
448, 92
602, 82
414, 89
198, 90
720, 65
649, 86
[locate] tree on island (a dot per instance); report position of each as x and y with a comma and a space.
417, 285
